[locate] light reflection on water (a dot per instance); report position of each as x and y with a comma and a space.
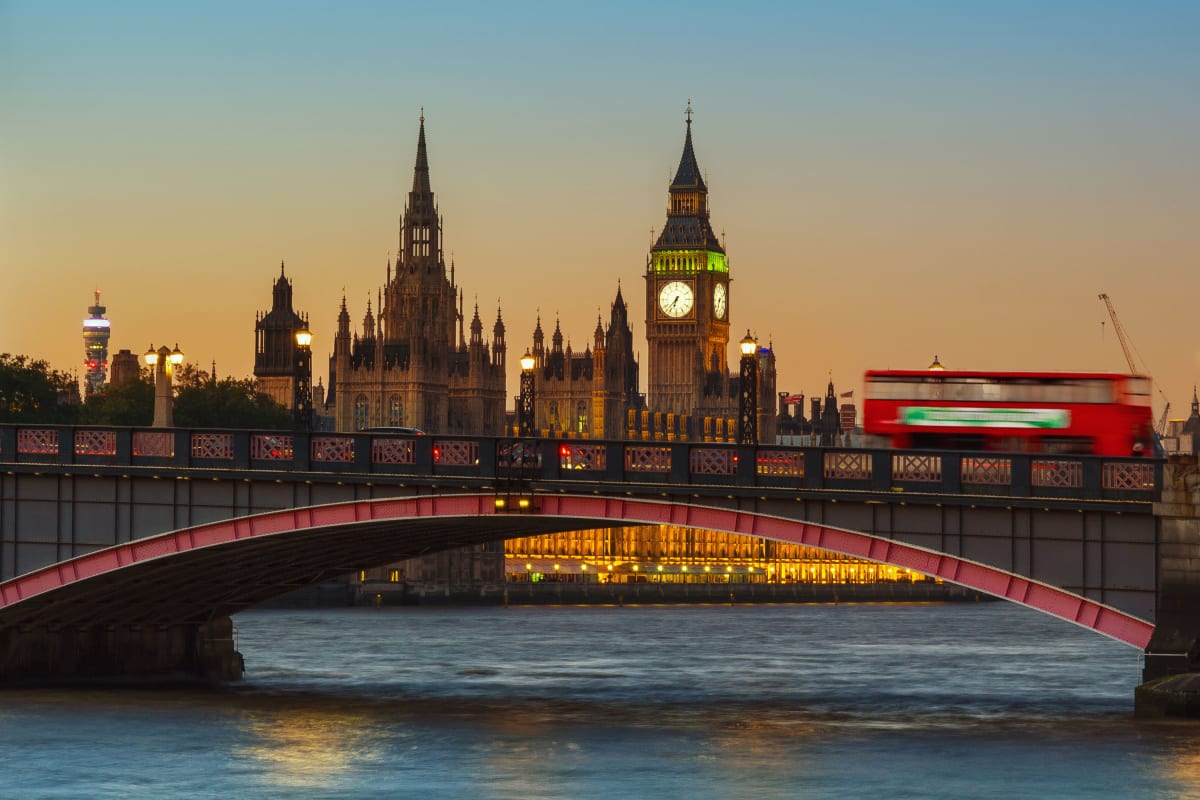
960, 700
306, 746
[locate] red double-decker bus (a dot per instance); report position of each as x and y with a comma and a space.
1029, 412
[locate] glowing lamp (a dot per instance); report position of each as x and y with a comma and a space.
748, 345
176, 356
304, 337
151, 356
527, 361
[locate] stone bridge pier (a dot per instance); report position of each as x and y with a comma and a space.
1171, 671
121, 653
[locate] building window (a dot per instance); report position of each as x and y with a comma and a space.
395, 411
362, 412
581, 420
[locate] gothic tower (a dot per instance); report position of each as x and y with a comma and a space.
412, 365
687, 301
275, 344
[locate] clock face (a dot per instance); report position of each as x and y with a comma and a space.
719, 301
675, 299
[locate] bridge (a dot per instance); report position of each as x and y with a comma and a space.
123, 552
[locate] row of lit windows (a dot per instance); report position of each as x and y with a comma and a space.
634, 542
860, 572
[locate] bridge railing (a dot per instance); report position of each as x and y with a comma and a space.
591, 461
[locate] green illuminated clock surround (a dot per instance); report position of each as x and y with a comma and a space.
676, 299
719, 298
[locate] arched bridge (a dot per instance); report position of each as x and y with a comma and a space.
125, 551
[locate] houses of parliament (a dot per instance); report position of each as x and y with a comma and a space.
415, 362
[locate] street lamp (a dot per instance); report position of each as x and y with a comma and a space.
302, 393
525, 403
164, 362
747, 432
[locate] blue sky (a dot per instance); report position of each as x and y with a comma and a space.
893, 180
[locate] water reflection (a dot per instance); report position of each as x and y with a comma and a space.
980, 701
305, 746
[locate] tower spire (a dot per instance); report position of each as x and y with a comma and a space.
421, 183
688, 176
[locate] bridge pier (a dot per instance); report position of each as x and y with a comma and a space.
120, 654
1171, 671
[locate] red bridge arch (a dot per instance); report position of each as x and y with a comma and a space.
206, 571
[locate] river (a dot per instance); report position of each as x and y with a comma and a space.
956, 700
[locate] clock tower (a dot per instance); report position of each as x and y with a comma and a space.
687, 301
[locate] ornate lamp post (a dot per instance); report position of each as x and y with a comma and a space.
747, 432
302, 394
525, 420
164, 362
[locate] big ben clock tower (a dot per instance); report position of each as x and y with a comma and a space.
687, 300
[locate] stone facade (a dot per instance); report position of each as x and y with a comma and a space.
588, 394
413, 366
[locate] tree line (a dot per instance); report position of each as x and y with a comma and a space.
31, 391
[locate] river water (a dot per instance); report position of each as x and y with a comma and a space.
958, 700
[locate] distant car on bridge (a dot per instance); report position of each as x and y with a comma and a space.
402, 431
1026, 412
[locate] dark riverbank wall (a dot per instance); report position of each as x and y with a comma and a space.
330, 595
657, 593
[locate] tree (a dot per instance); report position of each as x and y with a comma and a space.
130, 403
189, 376
32, 392
226, 403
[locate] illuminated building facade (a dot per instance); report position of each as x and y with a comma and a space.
673, 554
95, 348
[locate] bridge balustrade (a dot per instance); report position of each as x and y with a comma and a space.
589, 461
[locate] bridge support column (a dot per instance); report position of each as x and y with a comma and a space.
1171, 672
133, 654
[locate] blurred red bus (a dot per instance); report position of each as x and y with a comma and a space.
1029, 412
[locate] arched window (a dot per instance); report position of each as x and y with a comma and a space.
362, 412
395, 411
581, 419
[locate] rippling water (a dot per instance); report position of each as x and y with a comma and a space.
983, 700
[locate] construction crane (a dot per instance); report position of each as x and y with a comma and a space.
1161, 428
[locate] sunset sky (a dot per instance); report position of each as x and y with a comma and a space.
894, 180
